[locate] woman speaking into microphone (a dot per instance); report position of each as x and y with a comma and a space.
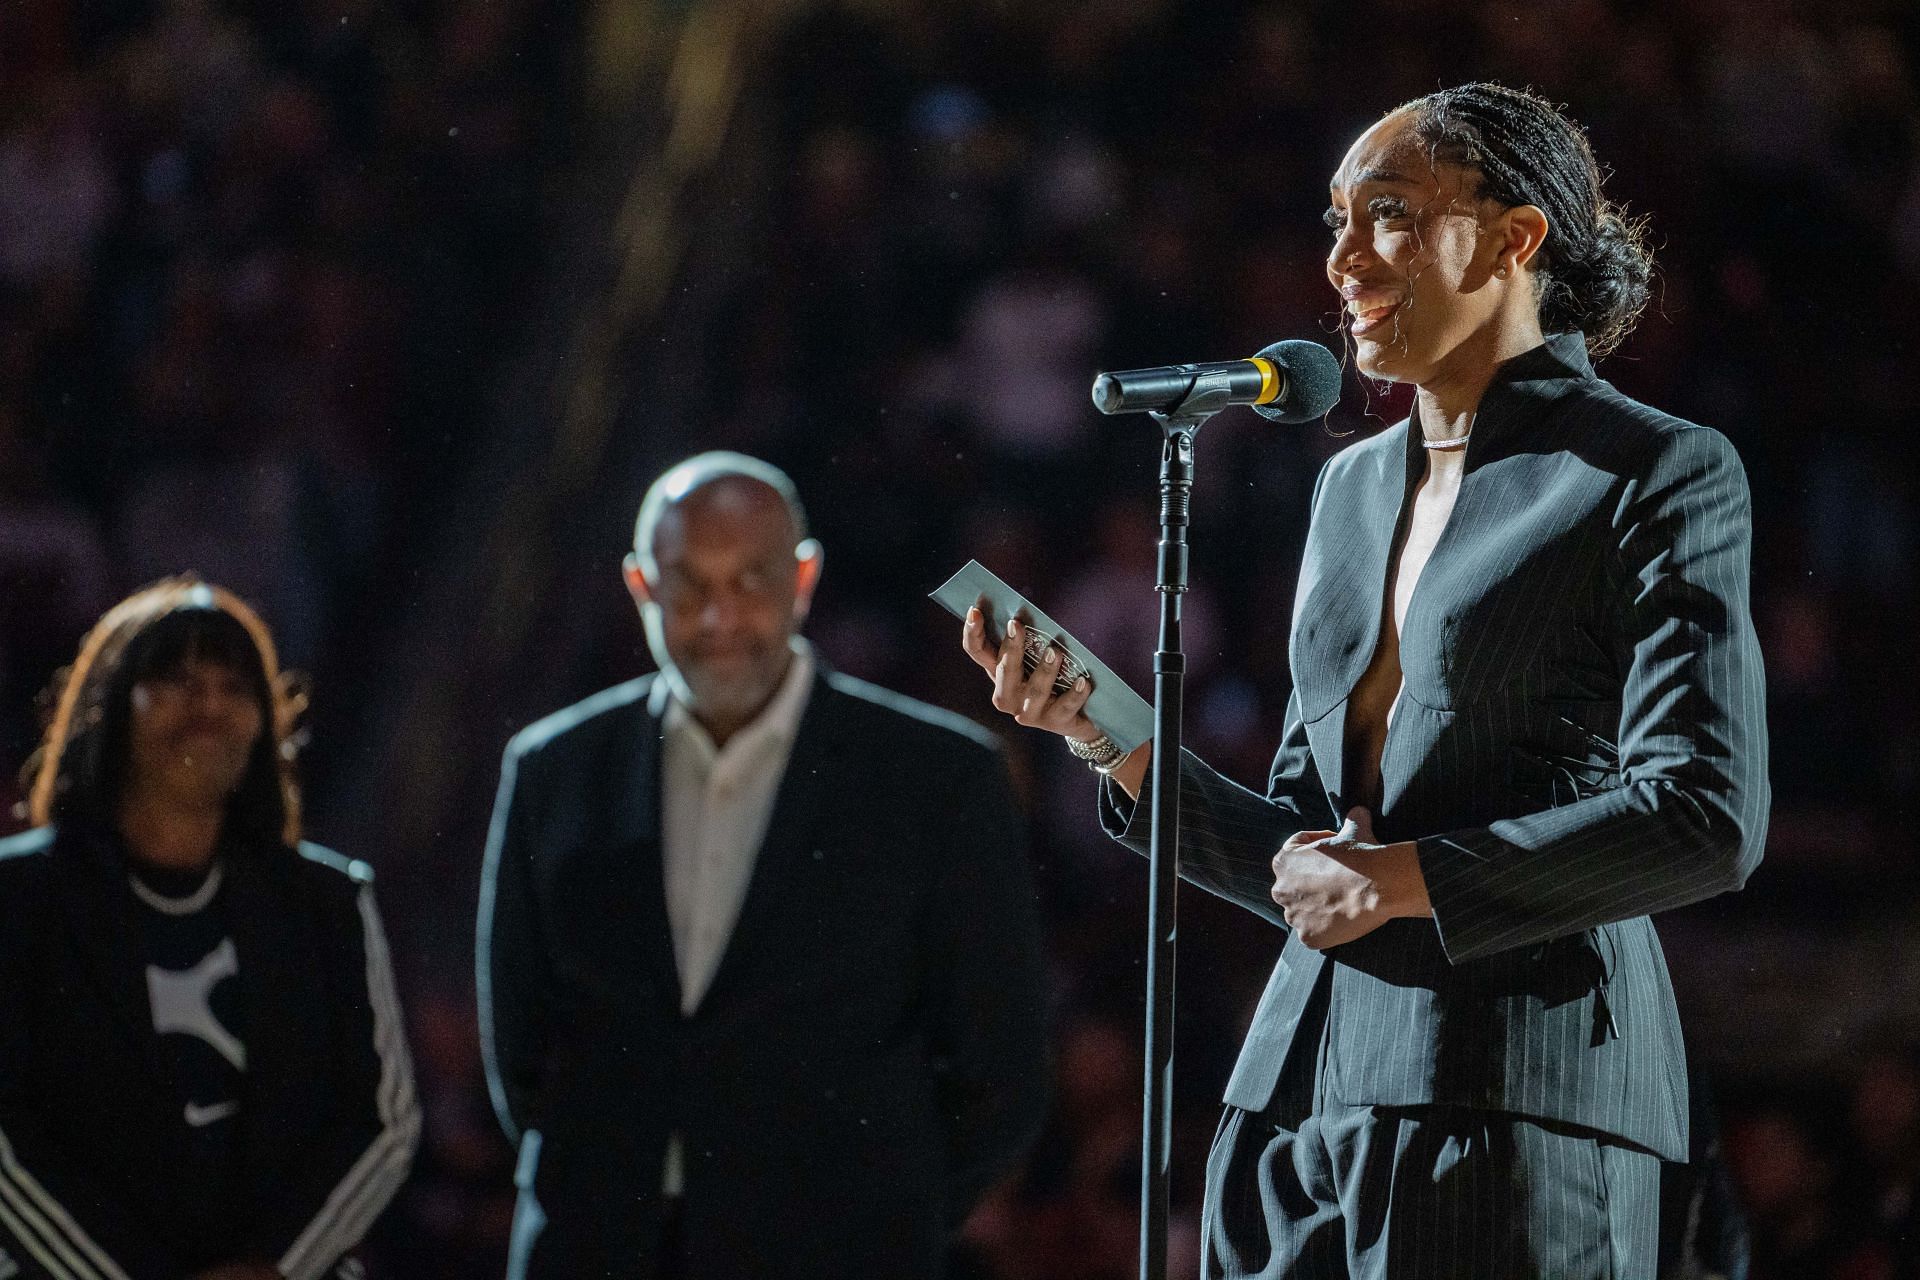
1527, 714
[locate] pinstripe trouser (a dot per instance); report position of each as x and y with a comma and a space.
1314, 1189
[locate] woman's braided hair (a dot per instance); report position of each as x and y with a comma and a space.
1595, 266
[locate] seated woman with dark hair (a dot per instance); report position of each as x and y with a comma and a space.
1527, 713
202, 1066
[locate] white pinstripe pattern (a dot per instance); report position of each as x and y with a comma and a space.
1585, 609
358, 1198
1331, 1192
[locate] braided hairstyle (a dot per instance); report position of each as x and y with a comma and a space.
1594, 267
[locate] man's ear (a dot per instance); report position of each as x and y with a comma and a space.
812, 557
636, 579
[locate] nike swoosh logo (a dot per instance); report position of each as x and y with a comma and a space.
200, 1117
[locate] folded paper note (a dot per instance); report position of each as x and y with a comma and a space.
1121, 714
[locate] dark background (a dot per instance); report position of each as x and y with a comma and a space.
384, 314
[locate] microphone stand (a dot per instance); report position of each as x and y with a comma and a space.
1179, 426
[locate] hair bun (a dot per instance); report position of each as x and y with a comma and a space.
1603, 290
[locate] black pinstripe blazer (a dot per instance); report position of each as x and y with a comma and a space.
1580, 742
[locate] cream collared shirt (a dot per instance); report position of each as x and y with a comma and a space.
716, 804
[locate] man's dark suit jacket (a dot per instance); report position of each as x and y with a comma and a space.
871, 1052
1581, 741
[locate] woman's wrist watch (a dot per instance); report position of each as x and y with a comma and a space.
1101, 755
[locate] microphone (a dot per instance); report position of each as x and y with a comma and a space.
1291, 381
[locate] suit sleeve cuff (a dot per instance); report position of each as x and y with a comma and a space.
1450, 864
1124, 818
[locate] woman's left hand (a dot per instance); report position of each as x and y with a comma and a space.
1335, 886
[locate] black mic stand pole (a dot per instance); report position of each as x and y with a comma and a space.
1179, 426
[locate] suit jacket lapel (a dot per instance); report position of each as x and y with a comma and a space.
809, 784
1343, 585
1343, 580
631, 809
1342, 592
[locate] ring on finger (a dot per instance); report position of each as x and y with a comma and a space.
1038, 646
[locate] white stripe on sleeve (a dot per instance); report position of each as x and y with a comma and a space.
360, 1196
46, 1229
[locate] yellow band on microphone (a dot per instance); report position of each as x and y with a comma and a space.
1269, 380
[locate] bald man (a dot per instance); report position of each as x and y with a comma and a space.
760, 982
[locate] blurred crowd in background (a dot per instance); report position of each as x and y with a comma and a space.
264, 271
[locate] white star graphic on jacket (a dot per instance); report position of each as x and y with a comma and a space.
181, 1001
